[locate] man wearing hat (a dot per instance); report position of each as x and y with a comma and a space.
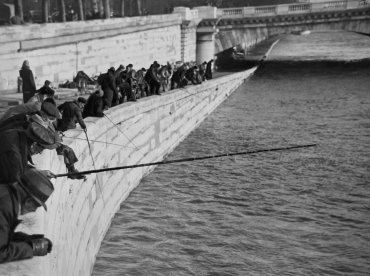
22, 197
72, 113
22, 137
45, 90
19, 144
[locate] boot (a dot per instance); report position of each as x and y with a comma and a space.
72, 169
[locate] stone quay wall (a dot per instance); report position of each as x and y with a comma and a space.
79, 213
57, 51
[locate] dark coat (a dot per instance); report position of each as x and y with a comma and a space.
28, 84
10, 247
71, 115
192, 75
151, 75
94, 106
109, 87
14, 155
209, 70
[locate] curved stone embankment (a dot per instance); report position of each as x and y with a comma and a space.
80, 213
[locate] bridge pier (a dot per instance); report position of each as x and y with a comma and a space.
206, 40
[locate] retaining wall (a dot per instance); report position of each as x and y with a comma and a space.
58, 51
80, 213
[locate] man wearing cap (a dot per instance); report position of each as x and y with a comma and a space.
45, 90
72, 113
22, 136
20, 198
19, 144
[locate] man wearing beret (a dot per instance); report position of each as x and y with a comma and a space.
22, 197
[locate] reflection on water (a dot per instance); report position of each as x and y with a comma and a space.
300, 212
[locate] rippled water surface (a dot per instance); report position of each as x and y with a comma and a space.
298, 212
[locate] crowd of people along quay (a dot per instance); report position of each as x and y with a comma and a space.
38, 124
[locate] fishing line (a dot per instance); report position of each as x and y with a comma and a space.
188, 159
92, 158
126, 136
95, 141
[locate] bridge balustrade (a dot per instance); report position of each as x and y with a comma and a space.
303, 7
364, 3
294, 8
232, 12
265, 10
333, 5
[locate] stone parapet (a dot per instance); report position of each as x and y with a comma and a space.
79, 46
79, 213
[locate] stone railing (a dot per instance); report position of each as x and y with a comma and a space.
260, 10
294, 8
302, 7
364, 3
334, 5
231, 12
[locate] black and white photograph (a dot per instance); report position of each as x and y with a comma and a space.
184, 137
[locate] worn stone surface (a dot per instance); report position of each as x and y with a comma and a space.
56, 52
79, 213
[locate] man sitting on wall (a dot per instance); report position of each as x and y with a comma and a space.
94, 106
22, 197
71, 114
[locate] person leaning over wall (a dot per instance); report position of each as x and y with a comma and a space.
45, 90
22, 197
71, 114
19, 141
94, 106
28, 82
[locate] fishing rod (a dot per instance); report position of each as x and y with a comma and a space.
188, 159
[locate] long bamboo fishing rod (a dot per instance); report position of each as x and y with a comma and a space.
187, 160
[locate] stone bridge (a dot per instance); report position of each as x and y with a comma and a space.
222, 29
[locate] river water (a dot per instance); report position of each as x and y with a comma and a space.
298, 212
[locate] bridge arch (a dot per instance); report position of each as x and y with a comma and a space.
248, 31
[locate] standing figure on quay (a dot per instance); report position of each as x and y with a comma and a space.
28, 82
209, 70
23, 196
110, 90
202, 71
